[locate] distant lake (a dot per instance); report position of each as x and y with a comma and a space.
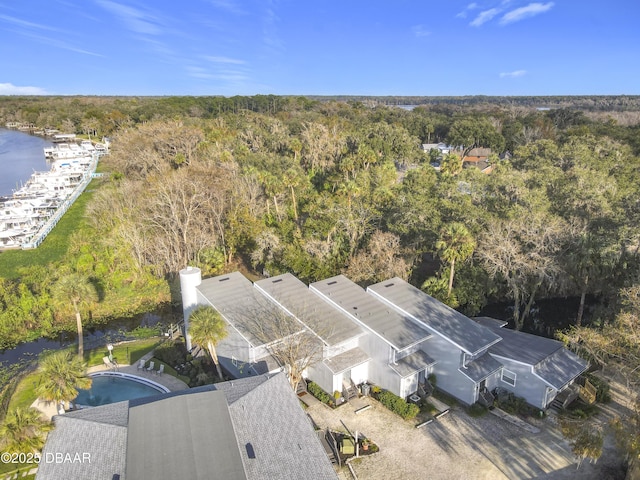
20, 155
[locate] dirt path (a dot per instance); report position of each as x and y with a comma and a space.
461, 447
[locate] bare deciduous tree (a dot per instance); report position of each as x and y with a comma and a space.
523, 252
379, 261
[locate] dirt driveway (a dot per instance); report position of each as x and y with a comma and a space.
461, 447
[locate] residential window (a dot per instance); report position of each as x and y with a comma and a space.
508, 377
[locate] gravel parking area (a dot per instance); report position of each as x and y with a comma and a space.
458, 446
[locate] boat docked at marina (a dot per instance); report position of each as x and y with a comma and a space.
34, 208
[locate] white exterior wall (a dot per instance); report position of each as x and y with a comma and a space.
409, 385
446, 370
320, 374
528, 385
190, 278
380, 373
360, 374
234, 346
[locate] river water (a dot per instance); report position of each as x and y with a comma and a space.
114, 332
20, 155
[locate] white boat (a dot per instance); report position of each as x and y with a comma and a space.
29, 214
62, 151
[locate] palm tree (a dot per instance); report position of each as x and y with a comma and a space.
206, 329
455, 244
79, 290
62, 374
23, 431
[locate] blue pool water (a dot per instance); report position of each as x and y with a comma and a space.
110, 389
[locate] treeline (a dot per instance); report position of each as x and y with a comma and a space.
607, 103
320, 188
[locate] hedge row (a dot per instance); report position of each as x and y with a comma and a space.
398, 405
315, 390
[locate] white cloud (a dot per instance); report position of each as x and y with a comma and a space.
24, 23
134, 19
420, 31
484, 17
217, 59
463, 14
514, 74
525, 12
10, 89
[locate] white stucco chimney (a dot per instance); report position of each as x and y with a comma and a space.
190, 278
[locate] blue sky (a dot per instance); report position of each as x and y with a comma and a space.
321, 47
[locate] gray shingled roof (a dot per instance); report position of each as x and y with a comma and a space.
270, 423
346, 360
100, 447
248, 311
171, 430
481, 367
561, 368
524, 347
438, 317
413, 363
551, 360
396, 329
186, 436
333, 326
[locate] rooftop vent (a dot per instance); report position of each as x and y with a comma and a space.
389, 285
276, 281
250, 451
224, 279
332, 283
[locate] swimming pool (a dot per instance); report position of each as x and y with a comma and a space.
111, 387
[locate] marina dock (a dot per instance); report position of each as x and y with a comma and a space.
29, 215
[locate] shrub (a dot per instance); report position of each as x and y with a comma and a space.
315, 390
398, 405
171, 353
476, 410
145, 332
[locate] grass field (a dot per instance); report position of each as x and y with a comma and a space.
54, 246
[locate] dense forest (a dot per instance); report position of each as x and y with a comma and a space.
319, 186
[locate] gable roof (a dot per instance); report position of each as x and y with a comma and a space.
396, 329
331, 325
549, 358
227, 430
436, 316
102, 449
523, 347
560, 368
185, 436
235, 298
480, 368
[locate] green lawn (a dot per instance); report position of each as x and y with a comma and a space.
125, 353
54, 246
25, 393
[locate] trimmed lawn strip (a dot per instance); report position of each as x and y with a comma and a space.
56, 244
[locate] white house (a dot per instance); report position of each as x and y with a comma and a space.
392, 335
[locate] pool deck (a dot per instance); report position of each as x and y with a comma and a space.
48, 409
